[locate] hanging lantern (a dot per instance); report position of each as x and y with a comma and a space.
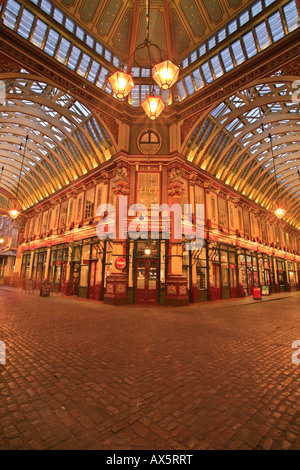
13, 213
280, 213
165, 74
153, 106
122, 83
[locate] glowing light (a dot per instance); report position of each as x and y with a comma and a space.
121, 83
13, 213
280, 213
153, 106
165, 74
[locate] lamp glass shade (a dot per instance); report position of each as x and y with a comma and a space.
13, 213
280, 213
1, 241
153, 106
122, 83
165, 74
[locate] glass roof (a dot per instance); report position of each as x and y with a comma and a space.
233, 142
65, 140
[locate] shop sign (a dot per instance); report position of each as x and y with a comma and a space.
121, 262
265, 290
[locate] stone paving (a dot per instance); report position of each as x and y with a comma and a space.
84, 375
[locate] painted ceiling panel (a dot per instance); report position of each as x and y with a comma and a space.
193, 20
108, 17
121, 38
193, 17
88, 9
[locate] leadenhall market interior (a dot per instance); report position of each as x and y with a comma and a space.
163, 102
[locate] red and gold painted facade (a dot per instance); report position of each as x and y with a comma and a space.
244, 245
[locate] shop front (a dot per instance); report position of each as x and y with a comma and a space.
57, 274
281, 274
292, 275
249, 271
39, 267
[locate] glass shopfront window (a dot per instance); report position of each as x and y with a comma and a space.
292, 272
25, 265
148, 190
228, 265
224, 269
85, 262
57, 265
202, 270
281, 272
248, 264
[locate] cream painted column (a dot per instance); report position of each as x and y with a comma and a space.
176, 284
47, 262
117, 283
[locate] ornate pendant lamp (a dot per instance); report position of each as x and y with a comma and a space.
122, 83
280, 213
165, 74
153, 106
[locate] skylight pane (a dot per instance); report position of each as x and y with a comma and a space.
93, 71
99, 48
11, 13
193, 56
189, 85
58, 15
249, 43
85, 61
202, 50
102, 77
25, 24
185, 62
232, 27
51, 42
74, 57
221, 35
207, 72
244, 17
276, 26
39, 33
238, 52
90, 41
107, 55
63, 50
181, 90
80, 33
256, 8
211, 42
69, 24
226, 58
198, 79
46, 6
262, 35
216, 65
291, 15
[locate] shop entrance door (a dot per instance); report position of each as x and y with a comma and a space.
146, 282
217, 281
92, 283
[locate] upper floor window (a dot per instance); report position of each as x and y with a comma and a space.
89, 203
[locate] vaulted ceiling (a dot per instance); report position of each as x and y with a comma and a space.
239, 65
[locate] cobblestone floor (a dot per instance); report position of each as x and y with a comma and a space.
83, 375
